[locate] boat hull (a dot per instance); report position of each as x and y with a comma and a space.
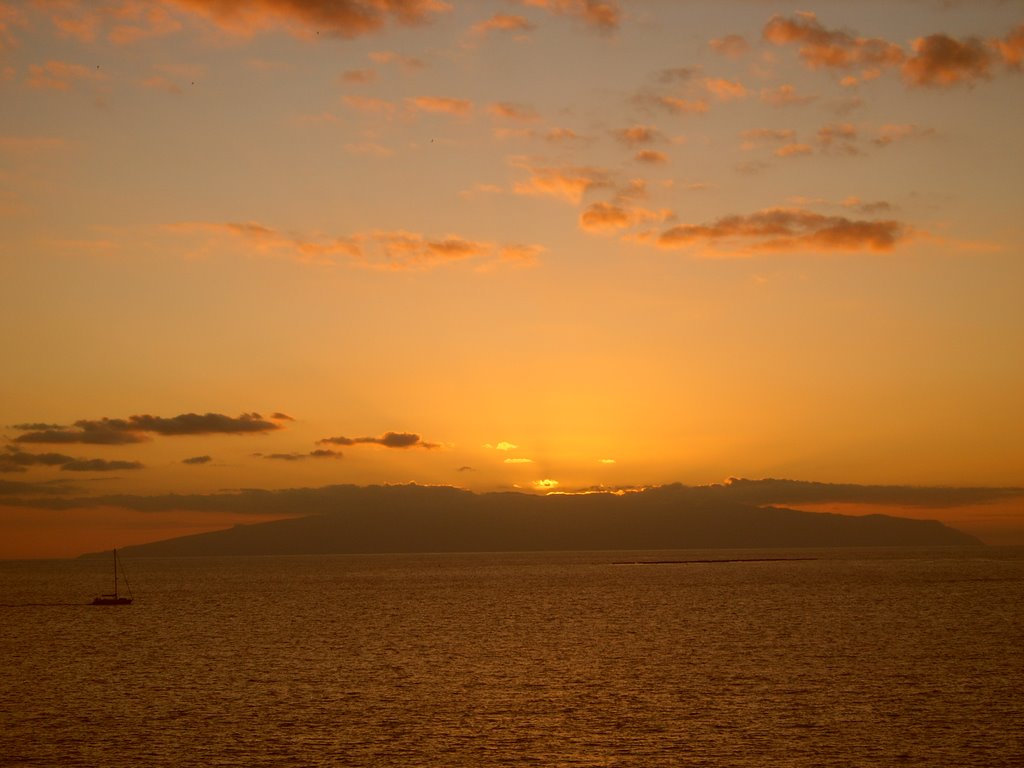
112, 601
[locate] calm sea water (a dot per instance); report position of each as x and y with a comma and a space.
854, 658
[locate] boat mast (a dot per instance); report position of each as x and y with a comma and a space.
115, 574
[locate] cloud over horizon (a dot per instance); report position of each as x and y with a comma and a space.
137, 429
388, 440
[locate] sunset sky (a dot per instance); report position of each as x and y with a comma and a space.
534, 244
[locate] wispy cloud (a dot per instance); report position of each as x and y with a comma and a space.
441, 104
935, 60
784, 95
30, 144
568, 183
320, 453
15, 460
503, 445
358, 76
725, 90
517, 112
370, 104
504, 22
734, 46
651, 157
755, 137
307, 18
784, 229
388, 440
100, 465
606, 217
829, 48
638, 135
137, 429
604, 15
61, 75
388, 250
940, 60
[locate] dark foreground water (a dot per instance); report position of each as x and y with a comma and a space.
856, 658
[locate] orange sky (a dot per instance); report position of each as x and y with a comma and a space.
545, 244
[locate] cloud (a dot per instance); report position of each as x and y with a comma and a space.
754, 137
606, 217
601, 14
877, 206
369, 148
61, 75
440, 105
638, 135
678, 106
401, 250
603, 217
10, 16
676, 74
47, 488
561, 135
197, 460
135, 429
121, 23
839, 137
545, 485
725, 90
30, 144
162, 83
889, 134
510, 111
785, 229
320, 453
305, 18
518, 461
263, 239
651, 156
567, 183
521, 255
936, 60
733, 46
1011, 50
388, 440
825, 48
408, 63
388, 250
370, 104
504, 445
503, 22
358, 76
940, 60
794, 150
784, 96
99, 465
14, 460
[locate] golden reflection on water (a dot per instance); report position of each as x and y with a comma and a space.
851, 658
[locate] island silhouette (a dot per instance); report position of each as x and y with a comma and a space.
418, 519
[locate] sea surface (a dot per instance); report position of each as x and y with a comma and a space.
841, 657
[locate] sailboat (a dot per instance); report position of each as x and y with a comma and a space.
115, 598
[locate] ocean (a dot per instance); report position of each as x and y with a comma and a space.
839, 657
